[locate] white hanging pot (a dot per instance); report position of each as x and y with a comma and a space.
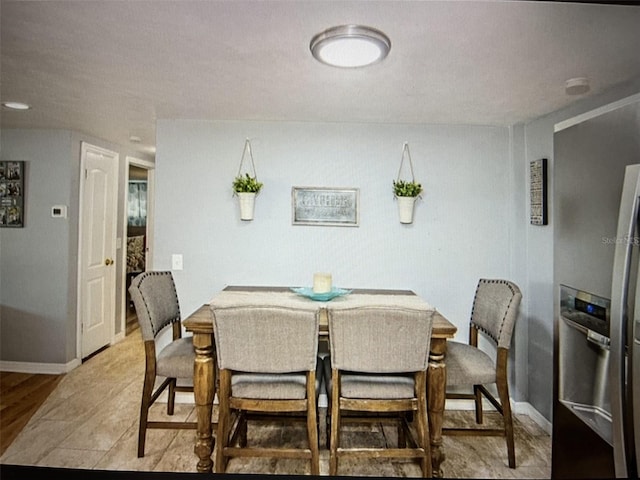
405, 208
247, 203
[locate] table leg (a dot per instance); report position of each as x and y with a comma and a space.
437, 384
204, 389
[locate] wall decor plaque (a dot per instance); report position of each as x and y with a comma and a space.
11, 194
538, 191
325, 206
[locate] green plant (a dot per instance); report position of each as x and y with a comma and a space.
403, 188
246, 183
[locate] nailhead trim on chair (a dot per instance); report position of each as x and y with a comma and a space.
513, 292
146, 275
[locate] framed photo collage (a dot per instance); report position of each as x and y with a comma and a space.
11, 194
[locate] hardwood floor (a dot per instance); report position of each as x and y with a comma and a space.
89, 425
21, 394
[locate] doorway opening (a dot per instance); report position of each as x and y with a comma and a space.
138, 229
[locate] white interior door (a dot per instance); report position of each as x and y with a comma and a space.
98, 215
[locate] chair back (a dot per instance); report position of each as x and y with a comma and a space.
156, 301
380, 339
265, 339
495, 309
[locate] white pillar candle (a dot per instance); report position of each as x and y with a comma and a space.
321, 282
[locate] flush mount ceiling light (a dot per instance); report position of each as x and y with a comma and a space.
16, 105
576, 86
350, 46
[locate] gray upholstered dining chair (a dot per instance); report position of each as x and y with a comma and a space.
267, 359
156, 302
493, 315
378, 362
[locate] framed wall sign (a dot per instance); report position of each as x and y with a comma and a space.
325, 206
11, 194
538, 191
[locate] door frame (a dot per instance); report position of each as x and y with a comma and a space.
85, 147
150, 168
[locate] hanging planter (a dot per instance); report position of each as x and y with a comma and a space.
406, 192
247, 201
246, 186
405, 208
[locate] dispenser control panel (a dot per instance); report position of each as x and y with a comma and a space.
586, 309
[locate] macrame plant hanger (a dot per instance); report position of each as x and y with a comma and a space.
247, 198
406, 203
405, 150
247, 148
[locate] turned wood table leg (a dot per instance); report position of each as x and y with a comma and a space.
204, 389
437, 384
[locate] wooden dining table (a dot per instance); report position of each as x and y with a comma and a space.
200, 324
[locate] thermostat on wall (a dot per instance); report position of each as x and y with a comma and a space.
59, 211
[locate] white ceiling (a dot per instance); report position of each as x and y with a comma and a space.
112, 68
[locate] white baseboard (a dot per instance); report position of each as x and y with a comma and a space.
525, 408
39, 368
48, 368
182, 397
520, 408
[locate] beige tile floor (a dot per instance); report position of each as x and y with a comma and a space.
90, 422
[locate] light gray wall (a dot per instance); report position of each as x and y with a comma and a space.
519, 355
540, 287
38, 263
36, 298
464, 228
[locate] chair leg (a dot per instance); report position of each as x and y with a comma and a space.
503, 392
335, 424
147, 391
171, 402
222, 438
312, 423
478, 400
422, 424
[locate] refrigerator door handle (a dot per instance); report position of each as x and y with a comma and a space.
633, 364
635, 387
618, 319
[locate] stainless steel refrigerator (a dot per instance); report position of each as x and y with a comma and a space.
598, 364
596, 337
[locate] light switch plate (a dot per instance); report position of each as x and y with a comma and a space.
176, 261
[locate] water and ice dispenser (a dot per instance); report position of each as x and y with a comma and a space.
583, 351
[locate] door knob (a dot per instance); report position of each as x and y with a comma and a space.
108, 262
